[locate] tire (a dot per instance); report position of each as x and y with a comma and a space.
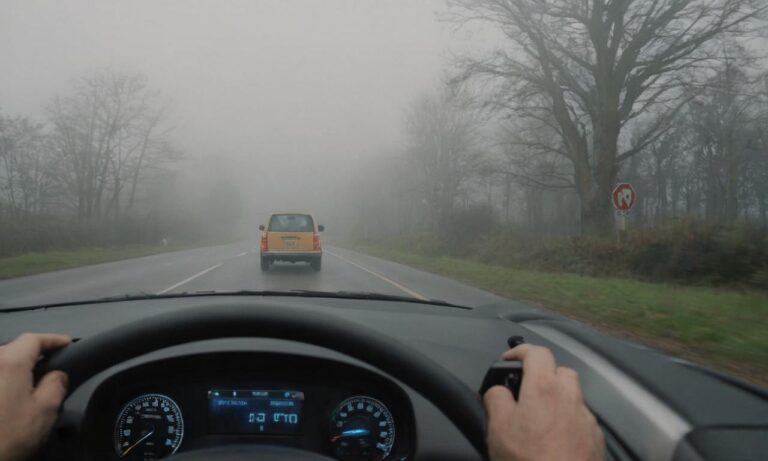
265, 263
317, 264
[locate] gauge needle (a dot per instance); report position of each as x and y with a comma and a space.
138, 442
352, 433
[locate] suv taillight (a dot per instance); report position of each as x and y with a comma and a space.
264, 244
316, 242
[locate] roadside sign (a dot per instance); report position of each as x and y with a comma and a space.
624, 197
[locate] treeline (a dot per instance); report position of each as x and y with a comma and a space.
530, 138
92, 172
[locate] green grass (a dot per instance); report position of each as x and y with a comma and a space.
35, 263
724, 329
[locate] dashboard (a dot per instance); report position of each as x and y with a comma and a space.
156, 409
649, 405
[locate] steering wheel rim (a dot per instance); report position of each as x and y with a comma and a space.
249, 453
457, 401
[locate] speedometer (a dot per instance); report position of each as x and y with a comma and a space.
149, 427
362, 429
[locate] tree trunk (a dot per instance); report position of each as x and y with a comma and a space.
675, 189
115, 202
507, 197
597, 216
596, 207
595, 195
661, 193
731, 204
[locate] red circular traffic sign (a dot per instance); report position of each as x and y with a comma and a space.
624, 197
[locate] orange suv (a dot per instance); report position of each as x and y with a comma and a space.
291, 237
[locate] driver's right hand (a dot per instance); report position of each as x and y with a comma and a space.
549, 421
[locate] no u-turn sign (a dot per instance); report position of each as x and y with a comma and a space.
624, 197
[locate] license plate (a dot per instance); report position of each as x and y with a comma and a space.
290, 244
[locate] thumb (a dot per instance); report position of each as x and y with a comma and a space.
51, 390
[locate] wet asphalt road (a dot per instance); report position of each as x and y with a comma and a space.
233, 267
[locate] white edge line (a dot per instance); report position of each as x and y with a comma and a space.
242, 254
187, 280
376, 274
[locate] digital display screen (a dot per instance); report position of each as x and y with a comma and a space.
276, 412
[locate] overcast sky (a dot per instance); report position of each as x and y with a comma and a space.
246, 67
283, 83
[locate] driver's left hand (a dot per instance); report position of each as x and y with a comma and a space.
28, 413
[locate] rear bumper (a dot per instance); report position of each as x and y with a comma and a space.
292, 255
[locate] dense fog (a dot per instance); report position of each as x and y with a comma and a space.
280, 100
193, 120
604, 159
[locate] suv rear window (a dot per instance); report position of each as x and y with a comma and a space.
291, 223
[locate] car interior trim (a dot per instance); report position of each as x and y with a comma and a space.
657, 429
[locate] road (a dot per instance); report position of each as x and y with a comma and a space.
233, 267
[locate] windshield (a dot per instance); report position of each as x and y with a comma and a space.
291, 223
606, 164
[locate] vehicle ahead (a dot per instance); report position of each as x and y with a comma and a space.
291, 237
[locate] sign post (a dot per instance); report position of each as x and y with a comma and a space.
624, 198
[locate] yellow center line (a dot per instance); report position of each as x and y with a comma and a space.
376, 274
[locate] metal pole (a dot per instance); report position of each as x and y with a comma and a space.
621, 230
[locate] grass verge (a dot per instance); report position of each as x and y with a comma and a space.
723, 329
36, 263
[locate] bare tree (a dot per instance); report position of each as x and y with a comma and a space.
725, 117
108, 132
590, 68
154, 148
25, 167
533, 155
759, 175
442, 150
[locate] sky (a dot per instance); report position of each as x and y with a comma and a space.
300, 87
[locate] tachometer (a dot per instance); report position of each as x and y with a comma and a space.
362, 429
149, 427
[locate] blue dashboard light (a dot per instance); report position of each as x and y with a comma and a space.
255, 411
355, 433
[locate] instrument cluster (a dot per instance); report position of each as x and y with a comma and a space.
158, 409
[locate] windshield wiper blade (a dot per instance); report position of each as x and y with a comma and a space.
363, 295
377, 296
367, 295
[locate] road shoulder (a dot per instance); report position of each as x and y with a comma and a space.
720, 328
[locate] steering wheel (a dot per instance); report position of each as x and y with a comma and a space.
459, 403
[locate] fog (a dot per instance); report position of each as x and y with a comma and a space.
390, 120
282, 98
504, 143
